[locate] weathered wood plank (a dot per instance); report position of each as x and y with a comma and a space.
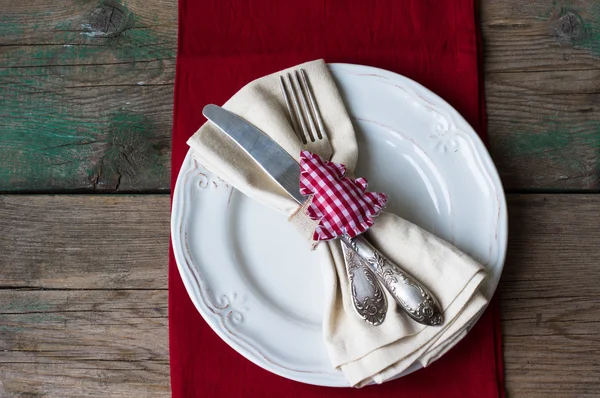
549, 296
83, 304
75, 343
86, 95
542, 80
84, 242
67, 338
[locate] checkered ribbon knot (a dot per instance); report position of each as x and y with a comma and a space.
341, 204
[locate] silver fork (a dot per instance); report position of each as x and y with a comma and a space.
369, 301
367, 294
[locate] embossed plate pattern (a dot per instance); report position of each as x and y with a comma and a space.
264, 297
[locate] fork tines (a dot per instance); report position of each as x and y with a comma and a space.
302, 107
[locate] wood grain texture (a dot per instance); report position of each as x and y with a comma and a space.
84, 331
75, 343
83, 296
549, 296
86, 95
84, 242
542, 81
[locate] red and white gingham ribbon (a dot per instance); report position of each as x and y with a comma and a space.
342, 204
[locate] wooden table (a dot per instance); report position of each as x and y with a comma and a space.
86, 92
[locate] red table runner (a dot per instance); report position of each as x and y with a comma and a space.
225, 44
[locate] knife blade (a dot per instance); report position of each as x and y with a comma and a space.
412, 296
271, 157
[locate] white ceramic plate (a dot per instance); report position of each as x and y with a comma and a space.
412, 145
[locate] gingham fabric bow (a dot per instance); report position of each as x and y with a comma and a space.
342, 204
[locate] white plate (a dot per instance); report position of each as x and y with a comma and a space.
412, 145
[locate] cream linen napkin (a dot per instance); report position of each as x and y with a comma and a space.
363, 352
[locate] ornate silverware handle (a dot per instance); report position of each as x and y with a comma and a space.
367, 294
410, 294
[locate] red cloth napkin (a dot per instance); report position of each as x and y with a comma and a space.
224, 45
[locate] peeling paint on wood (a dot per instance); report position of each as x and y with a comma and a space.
72, 117
577, 26
543, 93
546, 144
80, 81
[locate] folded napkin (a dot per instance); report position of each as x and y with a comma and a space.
365, 353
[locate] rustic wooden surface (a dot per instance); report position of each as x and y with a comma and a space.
77, 329
83, 296
86, 94
542, 81
550, 305
97, 242
85, 107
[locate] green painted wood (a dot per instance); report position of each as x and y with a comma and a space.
543, 92
86, 95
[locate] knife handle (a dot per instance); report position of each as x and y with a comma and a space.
418, 302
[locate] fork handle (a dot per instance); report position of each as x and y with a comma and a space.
418, 302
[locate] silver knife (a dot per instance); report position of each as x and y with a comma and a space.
412, 296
